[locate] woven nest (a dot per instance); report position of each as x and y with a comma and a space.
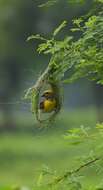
44, 82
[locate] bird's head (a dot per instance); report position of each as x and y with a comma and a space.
48, 94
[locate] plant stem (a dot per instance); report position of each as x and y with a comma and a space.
69, 173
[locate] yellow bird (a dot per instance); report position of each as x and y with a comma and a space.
49, 104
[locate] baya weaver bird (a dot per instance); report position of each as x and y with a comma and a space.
49, 103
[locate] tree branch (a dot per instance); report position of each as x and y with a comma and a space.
69, 173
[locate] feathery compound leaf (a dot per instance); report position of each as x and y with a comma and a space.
60, 27
101, 1
76, 1
78, 21
37, 37
48, 3
81, 57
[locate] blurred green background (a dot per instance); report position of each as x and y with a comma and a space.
24, 147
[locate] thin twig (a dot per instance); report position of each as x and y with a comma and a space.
69, 173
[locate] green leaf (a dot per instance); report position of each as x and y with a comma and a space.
99, 126
77, 21
101, 1
37, 37
48, 3
40, 179
45, 46
76, 1
91, 21
60, 27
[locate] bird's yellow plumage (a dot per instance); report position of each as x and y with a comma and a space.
49, 105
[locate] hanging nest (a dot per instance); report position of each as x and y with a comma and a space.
44, 83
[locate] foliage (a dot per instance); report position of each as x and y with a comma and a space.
93, 158
82, 57
24, 151
77, 58
53, 2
